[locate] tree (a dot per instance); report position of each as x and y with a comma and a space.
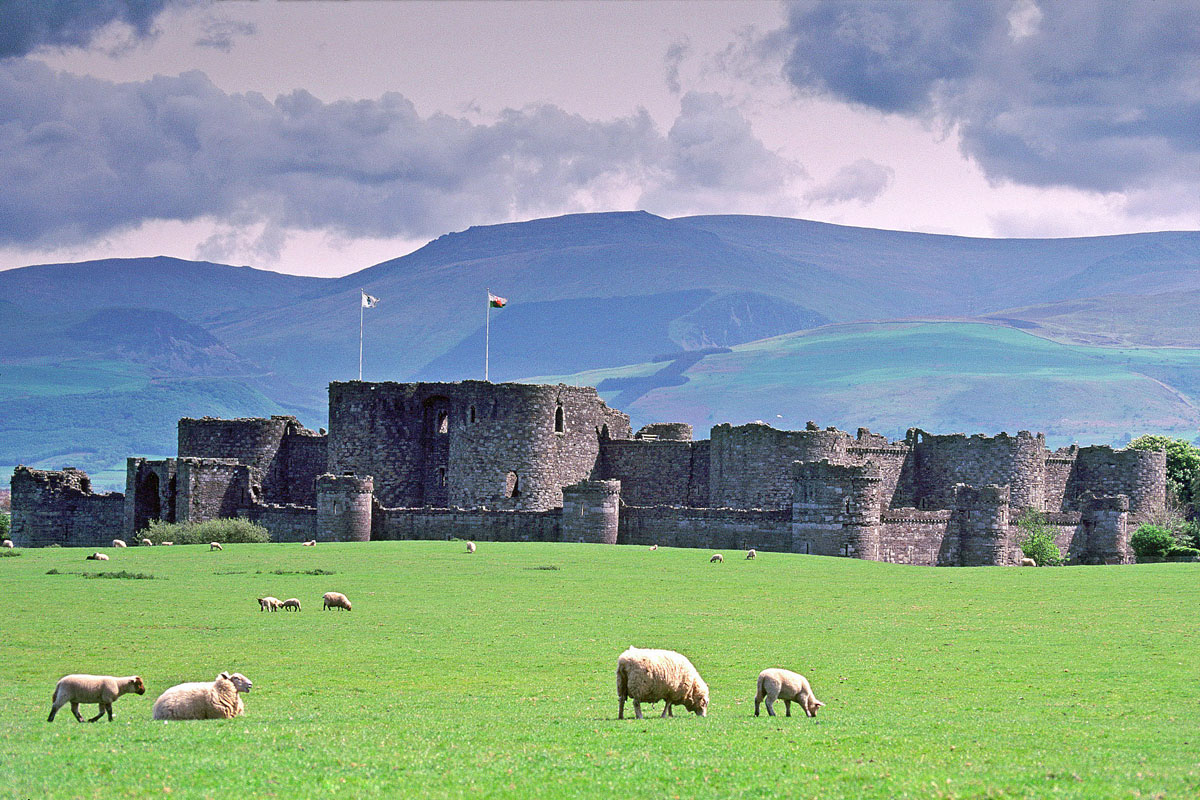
1037, 539
1183, 465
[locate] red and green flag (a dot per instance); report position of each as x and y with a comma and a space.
496, 302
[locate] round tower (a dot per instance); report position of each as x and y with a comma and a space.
981, 516
590, 512
344, 508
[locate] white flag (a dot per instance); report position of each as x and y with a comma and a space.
368, 301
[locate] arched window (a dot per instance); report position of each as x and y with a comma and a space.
472, 414
560, 422
443, 422
512, 485
441, 476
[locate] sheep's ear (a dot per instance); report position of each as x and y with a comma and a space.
224, 675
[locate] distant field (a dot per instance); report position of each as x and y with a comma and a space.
940, 376
492, 675
48, 380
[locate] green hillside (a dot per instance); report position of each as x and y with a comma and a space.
939, 376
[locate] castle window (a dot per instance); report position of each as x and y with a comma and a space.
443, 422
442, 477
560, 422
512, 485
472, 414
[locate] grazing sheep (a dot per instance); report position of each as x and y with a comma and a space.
653, 547
336, 600
97, 557
310, 543
291, 602
751, 554
216, 700
101, 689
166, 544
214, 546
1028, 562
647, 676
7, 543
146, 543
470, 547
269, 603
118, 543
717, 559
774, 684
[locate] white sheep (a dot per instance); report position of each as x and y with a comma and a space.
647, 676
7, 543
291, 602
119, 543
166, 544
97, 557
1028, 562
310, 543
269, 603
470, 547
774, 684
216, 700
101, 689
717, 559
336, 600
146, 543
214, 546
752, 554
653, 547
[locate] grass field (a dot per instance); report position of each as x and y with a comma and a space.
493, 675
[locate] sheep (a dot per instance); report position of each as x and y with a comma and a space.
774, 684
310, 543
269, 603
119, 543
647, 676
336, 600
717, 559
216, 700
470, 547
214, 546
101, 689
751, 555
7, 543
97, 557
653, 547
166, 544
1028, 562
146, 543
291, 602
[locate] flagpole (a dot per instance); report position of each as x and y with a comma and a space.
361, 306
487, 336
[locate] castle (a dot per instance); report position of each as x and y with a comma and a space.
521, 462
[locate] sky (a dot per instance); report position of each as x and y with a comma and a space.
319, 138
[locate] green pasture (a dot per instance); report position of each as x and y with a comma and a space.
492, 675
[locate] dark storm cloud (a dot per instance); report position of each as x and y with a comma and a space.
80, 157
28, 24
1101, 96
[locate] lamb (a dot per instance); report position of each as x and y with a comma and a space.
97, 557
291, 602
647, 676
717, 559
269, 603
216, 700
101, 689
214, 546
470, 547
146, 543
310, 543
781, 683
653, 547
118, 543
336, 600
166, 544
1028, 562
7, 543
751, 554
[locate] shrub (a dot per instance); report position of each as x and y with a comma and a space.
225, 531
5, 524
1183, 552
1151, 541
1037, 540
1188, 534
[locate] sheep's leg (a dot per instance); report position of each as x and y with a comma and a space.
637, 708
666, 709
757, 700
620, 708
101, 714
75, 711
788, 705
54, 707
770, 705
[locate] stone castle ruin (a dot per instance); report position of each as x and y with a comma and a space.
520, 462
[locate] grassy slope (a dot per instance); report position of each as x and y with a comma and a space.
462, 675
942, 377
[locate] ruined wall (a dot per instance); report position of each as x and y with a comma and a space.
149, 493
750, 465
942, 462
1058, 468
914, 536
591, 512
212, 488
307, 456
470, 444
285, 523
656, 473
451, 523
710, 528
893, 462
344, 508
267, 445
836, 509
1140, 475
59, 507
981, 515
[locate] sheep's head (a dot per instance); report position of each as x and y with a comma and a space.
811, 706
697, 700
239, 681
138, 685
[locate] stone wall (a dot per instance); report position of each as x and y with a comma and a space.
750, 465
1058, 468
264, 444
1140, 475
942, 462
915, 536
307, 457
212, 488
657, 473
710, 528
285, 523
59, 507
149, 493
482, 526
344, 508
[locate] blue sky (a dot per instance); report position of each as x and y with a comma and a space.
319, 138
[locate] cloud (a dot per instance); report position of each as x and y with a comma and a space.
676, 53
82, 157
29, 24
1099, 96
864, 181
220, 33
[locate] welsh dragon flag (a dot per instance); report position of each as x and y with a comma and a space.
496, 302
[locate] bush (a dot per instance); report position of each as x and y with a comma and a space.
225, 531
1188, 534
1151, 541
1183, 552
1037, 541
5, 524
